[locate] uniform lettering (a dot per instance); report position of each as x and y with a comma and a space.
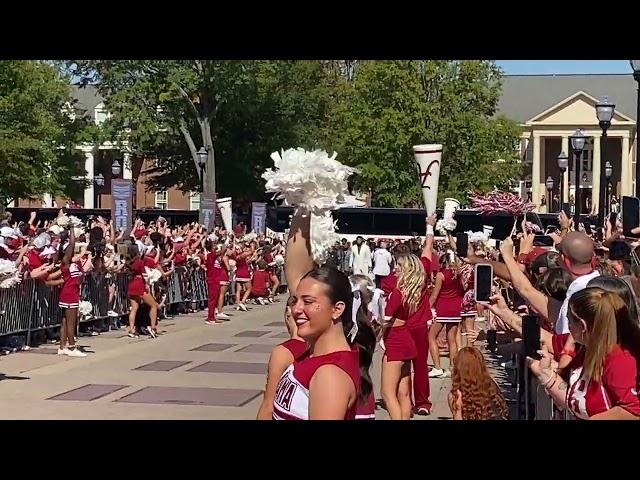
285, 393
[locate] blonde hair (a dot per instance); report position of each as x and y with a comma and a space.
411, 280
604, 313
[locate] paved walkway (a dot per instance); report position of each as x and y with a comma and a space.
193, 371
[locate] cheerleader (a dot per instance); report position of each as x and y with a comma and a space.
69, 297
409, 298
446, 297
222, 267
243, 277
138, 293
281, 358
333, 378
213, 282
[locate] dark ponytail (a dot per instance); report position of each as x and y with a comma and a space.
365, 340
339, 290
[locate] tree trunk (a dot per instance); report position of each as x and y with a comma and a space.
210, 172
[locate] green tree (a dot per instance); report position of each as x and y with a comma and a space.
242, 109
39, 132
391, 105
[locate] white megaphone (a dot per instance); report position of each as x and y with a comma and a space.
428, 159
224, 205
450, 207
487, 230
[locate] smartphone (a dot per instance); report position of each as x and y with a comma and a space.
543, 241
531, 335
506, 294
587, 228
462, 244
630, 215
566, 208
483, 281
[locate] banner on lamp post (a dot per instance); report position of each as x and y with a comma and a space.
122, 205
207, 214
258, 217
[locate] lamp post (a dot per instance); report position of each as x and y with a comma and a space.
563, 163
116, 168
635, 64
604, 112
578, 140
99, 181
608, 171
202, 161
549, 184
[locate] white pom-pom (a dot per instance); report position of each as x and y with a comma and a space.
232, 263
477, 237
85, 308
75, 221
278, 260
63, 221
445, 226
7, 267
323, 236
249, 237
10, 280
313, 180
152, 275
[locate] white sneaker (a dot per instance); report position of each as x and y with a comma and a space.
241, 307
111, 313
446, 374
210, 322
222, 315
436, 372
63, 351
75, 353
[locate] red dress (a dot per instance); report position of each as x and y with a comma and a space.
367, 411
398, 343
242, 269
260, 283
70, 292
292, 395
449, 302
137, 285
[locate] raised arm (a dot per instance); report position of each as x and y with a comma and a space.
521, 283
427, 250
298, 260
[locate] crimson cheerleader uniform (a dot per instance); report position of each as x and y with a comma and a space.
221, 269
213, 285
367, 411
70, 292
242, 269
292, 395
618, 386
137, 285
297, 348
449, 302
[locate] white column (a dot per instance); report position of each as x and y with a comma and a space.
127, 174
535, 171
88, 191
565, 149
595, 178
626, 188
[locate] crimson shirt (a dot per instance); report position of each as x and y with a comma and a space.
260, 282
618, 386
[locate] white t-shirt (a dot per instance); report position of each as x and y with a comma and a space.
580, 283
382, 262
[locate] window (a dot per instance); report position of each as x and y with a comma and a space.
587, 156
161, 200
101, 114
194, 201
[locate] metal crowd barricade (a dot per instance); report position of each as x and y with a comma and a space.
16, 308
32, 305
533, 401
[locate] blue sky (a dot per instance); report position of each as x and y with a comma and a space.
528, 67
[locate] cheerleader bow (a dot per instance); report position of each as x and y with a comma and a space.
355, 306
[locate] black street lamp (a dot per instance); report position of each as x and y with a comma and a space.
116, 168
202, 161
635, 64
604, 112
608, 171
578, 140
549, 184
563, 163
